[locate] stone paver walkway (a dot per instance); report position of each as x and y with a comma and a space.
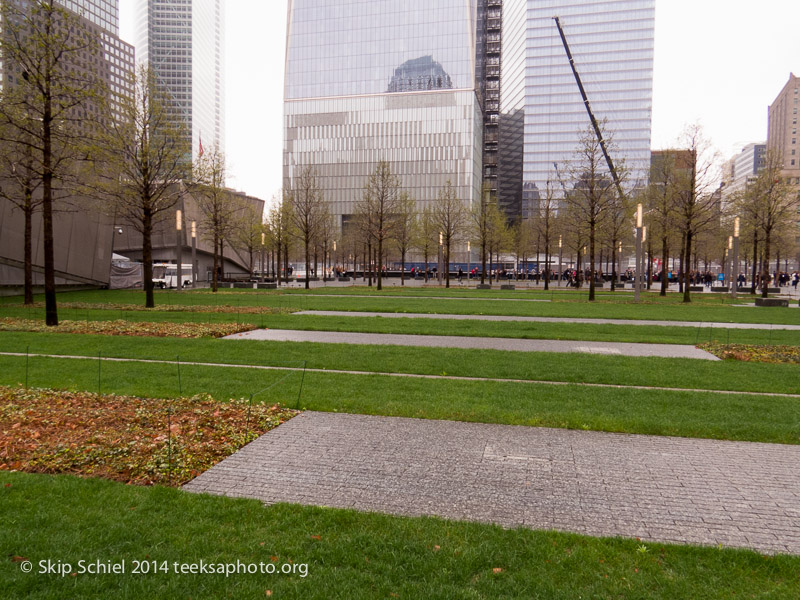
666, 489
483, 343
695, 324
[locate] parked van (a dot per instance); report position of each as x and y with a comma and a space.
165, 275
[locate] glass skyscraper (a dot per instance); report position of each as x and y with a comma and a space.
372, 80
183, 40
542, 112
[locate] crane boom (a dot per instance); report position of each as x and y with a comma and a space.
592, 118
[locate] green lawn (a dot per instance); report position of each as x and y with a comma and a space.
427, 326
657, 412
716, 309
348, 555
574, 368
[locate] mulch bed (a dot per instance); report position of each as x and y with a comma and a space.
193, 308
121, 327
134, 440
752, 353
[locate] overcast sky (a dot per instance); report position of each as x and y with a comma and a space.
718, 62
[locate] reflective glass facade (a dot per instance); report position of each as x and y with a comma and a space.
184, 41
372, 80
612, 43
103, 13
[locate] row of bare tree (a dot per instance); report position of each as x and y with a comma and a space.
580, 210
70, 143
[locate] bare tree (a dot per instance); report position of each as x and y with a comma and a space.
18, 185
695, 206
499, 236
450, 218
248, 229
593, 192
669, 177
768, 203
305, 198
218, 206
141, 161
380, 205
279, 224
405, 222
544, 220
426, 235
49, 100
481, 224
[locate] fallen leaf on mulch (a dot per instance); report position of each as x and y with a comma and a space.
133, 440
753, 353
120, 327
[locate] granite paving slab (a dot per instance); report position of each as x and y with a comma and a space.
680, 490
483, 343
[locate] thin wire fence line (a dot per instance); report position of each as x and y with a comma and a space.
414, 375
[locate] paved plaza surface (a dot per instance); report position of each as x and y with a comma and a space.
737, 494
483, 343
694, 324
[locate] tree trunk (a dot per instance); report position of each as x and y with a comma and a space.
28, 248
483, 262
402, 266
756, 268
664, 263
369, 262
277, 264
766, 281
546, 262
147, 259
380, 263
686, 296
446, 265
51, 309
306, 244
591, 261
215, 272
681, 269
613, 265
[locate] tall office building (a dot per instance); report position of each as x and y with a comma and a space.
384, 80
741, 169
782, 133
782, 127
542, 112
183, 40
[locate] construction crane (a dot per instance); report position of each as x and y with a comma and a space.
592, 118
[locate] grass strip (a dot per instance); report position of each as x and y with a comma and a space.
250, 317
348, 554
730, 375
657, 412
717, 309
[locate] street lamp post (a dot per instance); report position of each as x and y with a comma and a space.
560, 254
334, 258
618, 279
645, 262
263, 243
194, 253
179, 245
735, 261
729, 265
440, 259
469, 262
637, 278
